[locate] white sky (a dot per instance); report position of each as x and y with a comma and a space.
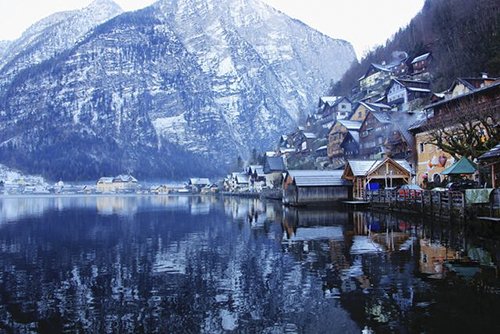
364, 23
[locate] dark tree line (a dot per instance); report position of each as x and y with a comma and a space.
463, 36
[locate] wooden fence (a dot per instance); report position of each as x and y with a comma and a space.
444, 204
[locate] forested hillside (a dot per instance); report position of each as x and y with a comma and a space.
463, 36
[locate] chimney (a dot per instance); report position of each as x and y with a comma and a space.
484, 75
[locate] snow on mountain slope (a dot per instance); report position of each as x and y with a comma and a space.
183, 86
52, 35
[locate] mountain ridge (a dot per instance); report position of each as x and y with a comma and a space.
152, 94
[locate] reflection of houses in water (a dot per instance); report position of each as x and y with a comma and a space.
389, 233
116, 205
432, 257
252, 211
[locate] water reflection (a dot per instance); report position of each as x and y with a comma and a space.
204, 264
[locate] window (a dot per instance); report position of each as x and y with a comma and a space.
422, 147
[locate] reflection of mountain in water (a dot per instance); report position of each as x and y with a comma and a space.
15, 208
242, 265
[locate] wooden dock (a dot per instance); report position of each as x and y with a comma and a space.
442, 204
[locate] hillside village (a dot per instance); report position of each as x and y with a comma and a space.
393, 118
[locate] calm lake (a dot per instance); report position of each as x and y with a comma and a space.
164, 264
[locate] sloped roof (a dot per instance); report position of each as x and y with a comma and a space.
318, 178
375, 106
361, 167
199, 181
350, 125
124, 178
355, 135
274, 164
382, 117
406, 165
365, 167
241, 178
379, 106
322, 148
491, 154
492, 86
309, 135
403, 121
105, 180
255, 169
462, 166
377, 67
420, 90
418, 124
331, 101
420, 58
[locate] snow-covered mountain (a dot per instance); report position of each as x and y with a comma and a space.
180, 87
52, 35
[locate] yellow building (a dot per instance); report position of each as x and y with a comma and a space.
431, 160
376, 75
121, 183
476, 94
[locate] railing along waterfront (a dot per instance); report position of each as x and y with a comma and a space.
444, 204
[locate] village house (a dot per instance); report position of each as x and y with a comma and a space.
363, 108
420, 65
373, 134
431, 160
491, 160
332, 108
376, 174
403, 93
375, 77
274, 167
338, 133
196, 184
350, 145
314, 187
385, 134
302, 140
463, 86
237, 182
256, 177
121, 183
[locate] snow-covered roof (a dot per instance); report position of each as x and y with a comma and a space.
354, 135
420, 58
350, 125
322, 148
382, 117
105, 180
241, 178
309, 135
361, 167
421, 90
330, 100
318, 178
365, 167
256, 169
124, 178
379, 105
199, 181
274, 164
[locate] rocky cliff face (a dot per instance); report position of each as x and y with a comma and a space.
52, 35
181, 87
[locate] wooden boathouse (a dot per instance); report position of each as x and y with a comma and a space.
315, 187
376, 174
